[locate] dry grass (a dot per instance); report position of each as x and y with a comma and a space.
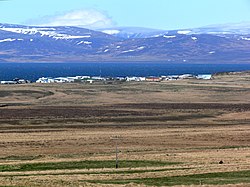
195, 123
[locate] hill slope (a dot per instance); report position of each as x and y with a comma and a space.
72, 44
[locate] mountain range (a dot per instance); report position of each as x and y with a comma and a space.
212, 44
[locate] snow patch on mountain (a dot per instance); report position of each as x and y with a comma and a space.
133, 32
50, 32
224, 29
194, 38
134, 50
184, 32
111, 32
66, 37
141, 48
128, 51
7, 40
156, 36
84, 42
169, 36
79, 43
87, 42
244, 38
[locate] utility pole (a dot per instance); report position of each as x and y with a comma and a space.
116, 155
116, 138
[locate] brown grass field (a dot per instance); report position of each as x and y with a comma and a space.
171, 133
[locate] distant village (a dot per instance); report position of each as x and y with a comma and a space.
93, 79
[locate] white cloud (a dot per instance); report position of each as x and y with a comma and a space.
88, 18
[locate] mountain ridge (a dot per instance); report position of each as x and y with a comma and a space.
20, 43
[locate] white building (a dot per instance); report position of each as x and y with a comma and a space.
8, 82
137, 79
45, 80
205, 77
186, 76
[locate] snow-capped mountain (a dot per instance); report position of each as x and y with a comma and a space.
137, 32
75, 34
225, 29
24, 42
133, 32
72, 44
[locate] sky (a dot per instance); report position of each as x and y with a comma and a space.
158, 14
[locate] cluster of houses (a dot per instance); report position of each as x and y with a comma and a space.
16, 81
92, 79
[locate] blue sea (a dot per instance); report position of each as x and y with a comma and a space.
32, 71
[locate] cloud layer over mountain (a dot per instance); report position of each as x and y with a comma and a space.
88, 18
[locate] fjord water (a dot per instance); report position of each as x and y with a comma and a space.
32, 71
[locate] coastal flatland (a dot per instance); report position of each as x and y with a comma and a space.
184, 132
